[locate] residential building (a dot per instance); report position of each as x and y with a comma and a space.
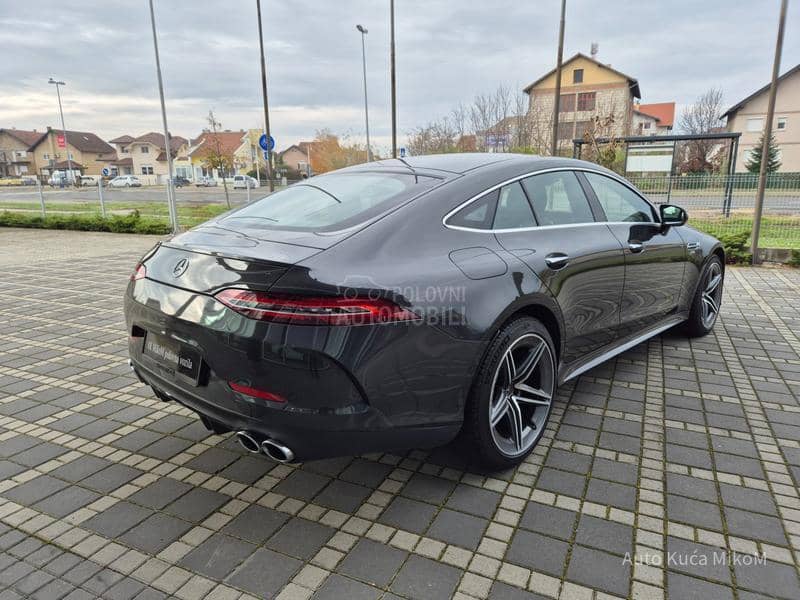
209, 148
660, 115
88, 153
146, 157
249, 156
589, 89
749, 115
15, 158
298, 157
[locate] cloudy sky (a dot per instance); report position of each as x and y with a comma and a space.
447, 52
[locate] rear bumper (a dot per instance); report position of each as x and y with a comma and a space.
308, 436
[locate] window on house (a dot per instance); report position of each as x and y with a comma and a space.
46, 156
755, 125
780, 124
565, 130
71, 156
566, 103
577, 76
646, 125
147, 170
145, 149
124, 149
586, 101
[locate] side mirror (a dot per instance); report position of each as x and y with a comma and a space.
672, 216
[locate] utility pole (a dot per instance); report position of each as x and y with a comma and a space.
363, 31
264, 92
557, 99
394, 80
64, 130
762, 173
173, 211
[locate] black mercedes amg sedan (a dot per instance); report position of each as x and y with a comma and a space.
395, 304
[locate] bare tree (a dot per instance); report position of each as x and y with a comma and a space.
704, 116
215, 155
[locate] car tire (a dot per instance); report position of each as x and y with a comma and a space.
707, 299
503, 422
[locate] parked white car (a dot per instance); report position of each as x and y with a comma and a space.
125, 181
87, 180
244, 182
206, 181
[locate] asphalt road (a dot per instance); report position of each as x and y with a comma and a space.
787, 202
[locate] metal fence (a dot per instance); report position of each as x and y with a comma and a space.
725, 204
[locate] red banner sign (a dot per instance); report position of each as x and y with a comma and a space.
61, 141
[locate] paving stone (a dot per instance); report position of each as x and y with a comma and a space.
613, 494
694, 512
474, 500
408, 514
755, 526
160, 493
458, 528
605, 535
217, 556
36, 489
424, 579
300, 538
111, 478
336, 587
372, 562
77, 470
265, 573
155, 533
125, 589
769, 578
255, 524
503, 591
246, 469
537, 552
302, 485
427, 488
365, 472
682, 550
196, 504
598, 570
117, 519
561, 482
342, 496
66, 501
682, 587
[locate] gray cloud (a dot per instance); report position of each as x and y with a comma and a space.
447, 52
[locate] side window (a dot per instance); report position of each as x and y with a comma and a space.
478, 214
558, 198
513, 209
619, 202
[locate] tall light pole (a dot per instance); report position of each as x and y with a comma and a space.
557, 99
762, 172
173, 211
264, 92
364, 32
394, 80
58, 85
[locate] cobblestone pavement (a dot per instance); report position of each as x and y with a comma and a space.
683, 455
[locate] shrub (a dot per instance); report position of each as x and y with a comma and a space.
795, 260
130, 223
736, 249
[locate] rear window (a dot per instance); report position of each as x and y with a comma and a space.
333, 202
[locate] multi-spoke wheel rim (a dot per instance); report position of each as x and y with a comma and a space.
711, 295
522, 394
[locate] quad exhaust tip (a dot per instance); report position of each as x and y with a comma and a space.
277, 451
248, 442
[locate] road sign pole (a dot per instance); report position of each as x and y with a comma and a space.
41, 196
247, 186
100, 193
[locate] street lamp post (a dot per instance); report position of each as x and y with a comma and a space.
393, 78
264, 93
63, 128
173, 211
364, 32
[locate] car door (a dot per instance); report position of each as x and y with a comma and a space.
576, 257
655, 258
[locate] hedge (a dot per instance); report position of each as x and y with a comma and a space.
131, 223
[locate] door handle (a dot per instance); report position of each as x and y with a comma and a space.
556, 260
636, 247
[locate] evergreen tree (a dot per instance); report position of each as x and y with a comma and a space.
753, 164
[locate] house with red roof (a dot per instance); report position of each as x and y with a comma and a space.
15, 157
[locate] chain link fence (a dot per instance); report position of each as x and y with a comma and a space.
725, 204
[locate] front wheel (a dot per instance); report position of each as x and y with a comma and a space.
512, 395
707, 300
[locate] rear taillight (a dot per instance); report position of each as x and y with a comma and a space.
303, 310
140, 272
255, 392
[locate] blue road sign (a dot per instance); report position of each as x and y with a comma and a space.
402, 152
262, 141
105, 172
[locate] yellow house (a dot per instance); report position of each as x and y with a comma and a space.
589, 88
88, 153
